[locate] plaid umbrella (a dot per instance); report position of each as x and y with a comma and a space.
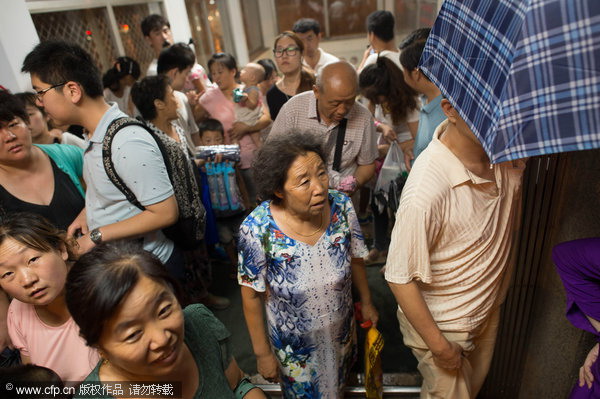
524, 74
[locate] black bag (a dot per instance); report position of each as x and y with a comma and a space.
188, 231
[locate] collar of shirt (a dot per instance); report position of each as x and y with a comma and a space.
457, 172
429, 106
113, 113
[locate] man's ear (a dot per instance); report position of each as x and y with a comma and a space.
449, 110
316, 91
148, 40
73, 91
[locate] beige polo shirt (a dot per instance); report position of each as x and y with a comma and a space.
453, 235
360, 147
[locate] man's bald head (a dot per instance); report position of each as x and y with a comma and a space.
336, 75
335, 91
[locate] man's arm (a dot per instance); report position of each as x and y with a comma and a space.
154, 217
364, 173
446, 354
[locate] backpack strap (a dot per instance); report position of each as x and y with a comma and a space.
114, 127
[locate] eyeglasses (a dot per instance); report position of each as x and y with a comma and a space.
291, 51
40, 94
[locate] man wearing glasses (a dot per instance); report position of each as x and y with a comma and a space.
347, 127
69, 87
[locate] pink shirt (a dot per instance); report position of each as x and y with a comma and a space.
58, 348
220, 108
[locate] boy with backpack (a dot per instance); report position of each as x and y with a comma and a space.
69, 87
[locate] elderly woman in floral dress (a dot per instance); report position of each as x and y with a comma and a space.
300, 252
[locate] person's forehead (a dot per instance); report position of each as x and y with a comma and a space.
307, 34
339, 91
160, 30
286, 42
36, 82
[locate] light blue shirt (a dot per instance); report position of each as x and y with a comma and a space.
430, 118
139, 162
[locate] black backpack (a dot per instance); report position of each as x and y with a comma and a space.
188, 231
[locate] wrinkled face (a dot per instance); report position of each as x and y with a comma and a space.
310, 40
15, 141
178, 77
288, 63
37, 121
30, 275
212, 137
222, 76
335, 101
305, 188
144, 337
160, 38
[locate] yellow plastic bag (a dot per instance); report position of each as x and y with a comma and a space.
373, 371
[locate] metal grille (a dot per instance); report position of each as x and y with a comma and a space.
541, 189
129, 18
89, 28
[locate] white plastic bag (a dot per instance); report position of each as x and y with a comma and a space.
392, 177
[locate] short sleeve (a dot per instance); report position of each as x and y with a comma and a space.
358, 248
14, 329
368, 150
414, 233
200, 318
140, 164
252, 264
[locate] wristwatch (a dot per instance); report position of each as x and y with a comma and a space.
96, 236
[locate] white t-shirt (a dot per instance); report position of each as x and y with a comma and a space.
324, 59
393, 56
186, 119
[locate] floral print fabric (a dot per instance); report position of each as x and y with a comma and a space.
309, 302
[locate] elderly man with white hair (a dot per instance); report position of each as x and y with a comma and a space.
347, 127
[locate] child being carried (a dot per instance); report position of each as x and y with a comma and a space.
248, 102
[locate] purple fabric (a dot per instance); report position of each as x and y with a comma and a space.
578, 265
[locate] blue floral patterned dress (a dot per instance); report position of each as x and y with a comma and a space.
309, 302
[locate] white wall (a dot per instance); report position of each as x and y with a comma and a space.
17, 38
177, 16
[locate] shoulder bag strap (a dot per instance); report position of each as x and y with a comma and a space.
339, 144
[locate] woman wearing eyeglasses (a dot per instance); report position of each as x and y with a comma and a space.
288, 50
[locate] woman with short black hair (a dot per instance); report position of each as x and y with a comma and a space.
301, 251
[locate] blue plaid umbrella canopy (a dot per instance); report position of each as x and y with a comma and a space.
524, 74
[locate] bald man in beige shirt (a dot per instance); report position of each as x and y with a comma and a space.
450, 257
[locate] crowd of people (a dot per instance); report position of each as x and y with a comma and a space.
110, 221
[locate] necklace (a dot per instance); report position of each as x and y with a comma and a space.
304, 235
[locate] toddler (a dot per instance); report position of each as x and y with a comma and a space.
248, 103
